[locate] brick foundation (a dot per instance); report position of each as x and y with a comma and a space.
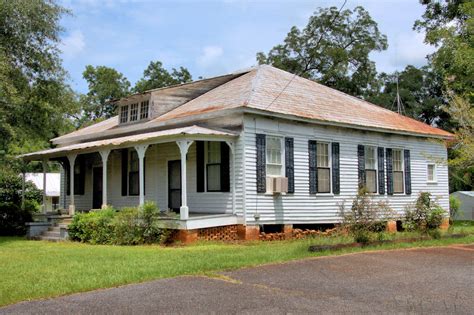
391, 226
186, 236
248, 232
219, 233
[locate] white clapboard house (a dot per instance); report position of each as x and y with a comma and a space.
256, 147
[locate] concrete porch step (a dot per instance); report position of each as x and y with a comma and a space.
49, 238
51, 234
54, 228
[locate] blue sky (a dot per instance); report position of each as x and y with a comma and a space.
212, 37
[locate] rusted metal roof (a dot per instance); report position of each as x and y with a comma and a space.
115, 142
273, 91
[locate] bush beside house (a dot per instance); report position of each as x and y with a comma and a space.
12, 215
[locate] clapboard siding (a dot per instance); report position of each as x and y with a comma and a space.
156, 182
301, 207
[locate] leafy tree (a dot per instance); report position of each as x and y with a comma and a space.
155, 76
420, 90
449, 25
105, 84
333, 49
34, 98
461, 159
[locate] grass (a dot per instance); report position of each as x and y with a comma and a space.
36, 269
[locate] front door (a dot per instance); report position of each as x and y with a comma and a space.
96, 187
174, 185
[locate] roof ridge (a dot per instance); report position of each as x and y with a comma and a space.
255, 82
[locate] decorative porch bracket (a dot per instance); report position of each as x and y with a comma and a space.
141, 150
231, 145
183, 148
104, 154
45, 166
72, 160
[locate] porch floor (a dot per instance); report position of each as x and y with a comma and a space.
199, 220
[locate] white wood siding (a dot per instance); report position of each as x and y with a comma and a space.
302, 207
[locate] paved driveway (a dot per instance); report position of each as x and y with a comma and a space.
431, 280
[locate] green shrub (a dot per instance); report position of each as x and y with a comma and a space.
13, 219
425, 215
365, 216
130, 226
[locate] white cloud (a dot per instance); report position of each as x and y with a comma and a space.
73, 44
209, 55
409, 49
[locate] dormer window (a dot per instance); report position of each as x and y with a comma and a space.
130, 113
124, 114
144, 108
134, 112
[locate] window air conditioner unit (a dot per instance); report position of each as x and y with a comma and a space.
277, 185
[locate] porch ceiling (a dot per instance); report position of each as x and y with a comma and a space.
191, 133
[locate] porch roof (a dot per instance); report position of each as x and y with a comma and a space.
192, 132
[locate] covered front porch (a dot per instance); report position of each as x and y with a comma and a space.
127, 171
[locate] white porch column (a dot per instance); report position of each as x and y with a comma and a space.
232, 151
72, 160
183, 148
104, 154
141, 149
45, 165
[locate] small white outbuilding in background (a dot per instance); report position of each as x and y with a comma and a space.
466, 211
53, 184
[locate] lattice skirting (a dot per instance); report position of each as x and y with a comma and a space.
219, 233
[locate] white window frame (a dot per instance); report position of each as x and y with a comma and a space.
329, 144
435, 177
376, 166
128, 114
282, 152
403, 171
140, 110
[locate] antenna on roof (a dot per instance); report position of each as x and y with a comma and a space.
400, 107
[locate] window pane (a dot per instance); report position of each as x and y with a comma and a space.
371, 181
397, 161
273, 155
134, 112
322, 155
213, 152
133, 161
124, 114
370, 163
214, 177
323, 180
144, 106
431, 169
133, 183
398, 182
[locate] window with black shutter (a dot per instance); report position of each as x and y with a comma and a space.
407, 172
335, 169
290, 164
398, 170
133, 174
213, 166
200, 166
370, 169
361, 165
381, 166
313, 170
389, 160
261, 163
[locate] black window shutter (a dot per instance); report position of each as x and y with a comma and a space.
336, 186
313, 170
290, 164
225, 168
381, 166
407, 172
67, 175
124, 171
200, 167
361, 165
389, 159
261, 164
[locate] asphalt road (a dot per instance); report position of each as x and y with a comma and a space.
430, 281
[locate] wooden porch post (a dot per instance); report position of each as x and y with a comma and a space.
104, 154
72, 160
45, 165
232, 146
141, 149
183, 148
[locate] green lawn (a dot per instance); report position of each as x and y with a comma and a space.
37, 269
